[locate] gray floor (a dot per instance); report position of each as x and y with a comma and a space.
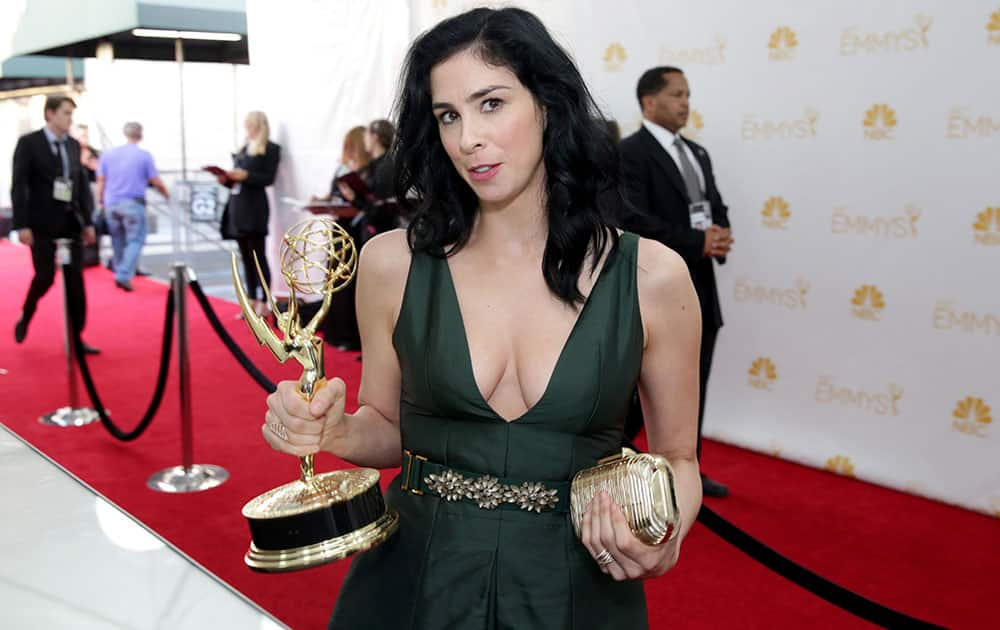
174, 238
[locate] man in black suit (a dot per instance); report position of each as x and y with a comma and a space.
671, 190
51, 197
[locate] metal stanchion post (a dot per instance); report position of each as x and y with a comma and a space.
188, 477
70, 416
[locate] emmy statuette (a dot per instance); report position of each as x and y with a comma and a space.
318, 518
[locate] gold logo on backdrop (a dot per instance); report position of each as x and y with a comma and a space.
841, 465
947, 316
868, 302
971, 416
710, 55
993, 29
614, 57
987, 227
962, 124
880, 403
782, 45
895, 227
755, 128
763, 373
695, 124
794, 298
879, 122
439, 4
853, 41
775, 214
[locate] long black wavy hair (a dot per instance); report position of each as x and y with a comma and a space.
583, 196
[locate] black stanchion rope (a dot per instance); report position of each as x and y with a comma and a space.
816, 584
161, 377
796, 573
227, 339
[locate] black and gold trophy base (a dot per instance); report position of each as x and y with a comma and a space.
330, 516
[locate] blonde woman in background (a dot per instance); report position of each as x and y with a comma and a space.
354, 157
245, 220
340, 328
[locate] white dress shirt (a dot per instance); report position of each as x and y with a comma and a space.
666, 139
53, 138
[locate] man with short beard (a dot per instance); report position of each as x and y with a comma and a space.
674, 199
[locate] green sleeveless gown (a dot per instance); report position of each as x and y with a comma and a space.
453, 564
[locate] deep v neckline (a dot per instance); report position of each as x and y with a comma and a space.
481, 399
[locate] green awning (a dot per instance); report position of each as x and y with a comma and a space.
36, 67
61, 29
31, 72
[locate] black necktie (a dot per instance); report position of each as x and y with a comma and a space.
60, 146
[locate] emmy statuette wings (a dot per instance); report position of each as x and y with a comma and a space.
317, 518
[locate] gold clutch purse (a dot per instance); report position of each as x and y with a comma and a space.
642, 484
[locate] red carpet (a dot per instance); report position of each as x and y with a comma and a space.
923, 558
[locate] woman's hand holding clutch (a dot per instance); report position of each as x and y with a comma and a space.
606, 535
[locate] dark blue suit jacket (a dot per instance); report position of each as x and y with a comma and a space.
658, 209
35, 170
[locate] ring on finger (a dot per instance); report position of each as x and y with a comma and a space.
604, 558
278, 429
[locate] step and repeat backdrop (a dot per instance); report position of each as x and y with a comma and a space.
857, 145
319, 68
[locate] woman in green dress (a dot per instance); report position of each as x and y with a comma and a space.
503, 334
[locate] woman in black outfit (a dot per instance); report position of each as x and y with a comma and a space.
381, 213
255, 166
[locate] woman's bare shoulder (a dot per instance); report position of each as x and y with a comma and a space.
668, 303
661, 270
386, 257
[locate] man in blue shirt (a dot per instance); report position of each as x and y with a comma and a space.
122, 177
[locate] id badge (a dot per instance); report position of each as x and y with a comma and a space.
62, 189
63, 256
701, 215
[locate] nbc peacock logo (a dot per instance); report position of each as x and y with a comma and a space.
614, 57
694, 125
993, 29
763, 373
840, 464
987, 227
782, 45
775, 214
880, 120
971, 416
868, 302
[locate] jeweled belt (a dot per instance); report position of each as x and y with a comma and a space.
422, 476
